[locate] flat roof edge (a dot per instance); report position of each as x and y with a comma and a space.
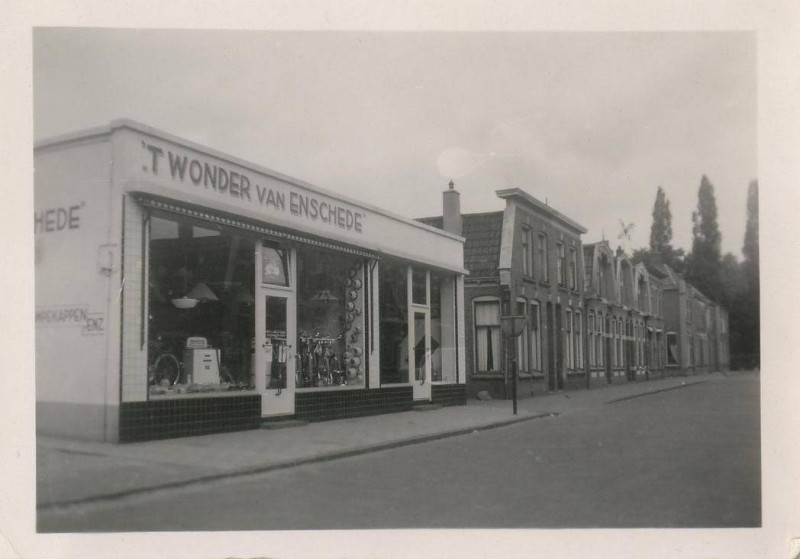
147, 129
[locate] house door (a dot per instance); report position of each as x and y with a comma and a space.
275, 351
421, 350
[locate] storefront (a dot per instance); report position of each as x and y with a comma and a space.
184, 291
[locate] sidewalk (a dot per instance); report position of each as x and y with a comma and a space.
71, 472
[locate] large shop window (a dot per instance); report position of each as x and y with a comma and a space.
200, 308
487, 336
330, 320
393, 302
444, 352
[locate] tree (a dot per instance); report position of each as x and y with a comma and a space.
661, 228
749, 304
704, 265
661, 250
750, 248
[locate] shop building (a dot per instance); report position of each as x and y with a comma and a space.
524, 260
183, 291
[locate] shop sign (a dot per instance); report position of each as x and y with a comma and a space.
231, 182
71, 315
57, 219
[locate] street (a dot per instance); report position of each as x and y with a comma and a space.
688, 457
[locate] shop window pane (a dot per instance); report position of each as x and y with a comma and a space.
420, 353
275, 321
393, 302
201, 314
330, 319
418, 290
274, 266
443, 328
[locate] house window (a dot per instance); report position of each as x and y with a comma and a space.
612, 357
522, 341
568, 357
672, 349
527, 252
620, 334
578, 331
573, 268
487, 336
562, 265
535, 338
601, 278
590, 336
544, 274
601, 341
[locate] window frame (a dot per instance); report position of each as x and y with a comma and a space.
527, 251
535, 334
573, 268
544, 256
578, 335
475, 326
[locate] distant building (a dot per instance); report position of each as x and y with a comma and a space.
696, 328
594, 317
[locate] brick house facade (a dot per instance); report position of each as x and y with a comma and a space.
593, 316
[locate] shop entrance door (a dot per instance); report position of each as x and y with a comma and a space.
275, 350
421, 350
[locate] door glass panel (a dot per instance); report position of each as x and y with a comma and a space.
418, 288
420, 353
274, 266
275, 335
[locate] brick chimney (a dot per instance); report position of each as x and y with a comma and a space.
451, 206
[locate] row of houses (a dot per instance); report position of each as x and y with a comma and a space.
593, 316
184, 291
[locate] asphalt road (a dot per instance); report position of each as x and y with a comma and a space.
682, 458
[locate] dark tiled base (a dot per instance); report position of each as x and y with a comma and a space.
449, 394
575, 382
341, 404
164, 419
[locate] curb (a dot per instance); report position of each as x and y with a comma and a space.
631, 397
326, 457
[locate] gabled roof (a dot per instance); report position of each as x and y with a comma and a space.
482, 232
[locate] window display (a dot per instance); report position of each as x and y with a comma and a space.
330, 320
200, 308
394, 323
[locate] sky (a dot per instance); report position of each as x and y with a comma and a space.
592, 123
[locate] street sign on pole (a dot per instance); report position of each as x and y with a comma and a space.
513, 325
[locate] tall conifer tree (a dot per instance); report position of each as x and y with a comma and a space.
661, 228
705, 262
750, 248
749, 311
